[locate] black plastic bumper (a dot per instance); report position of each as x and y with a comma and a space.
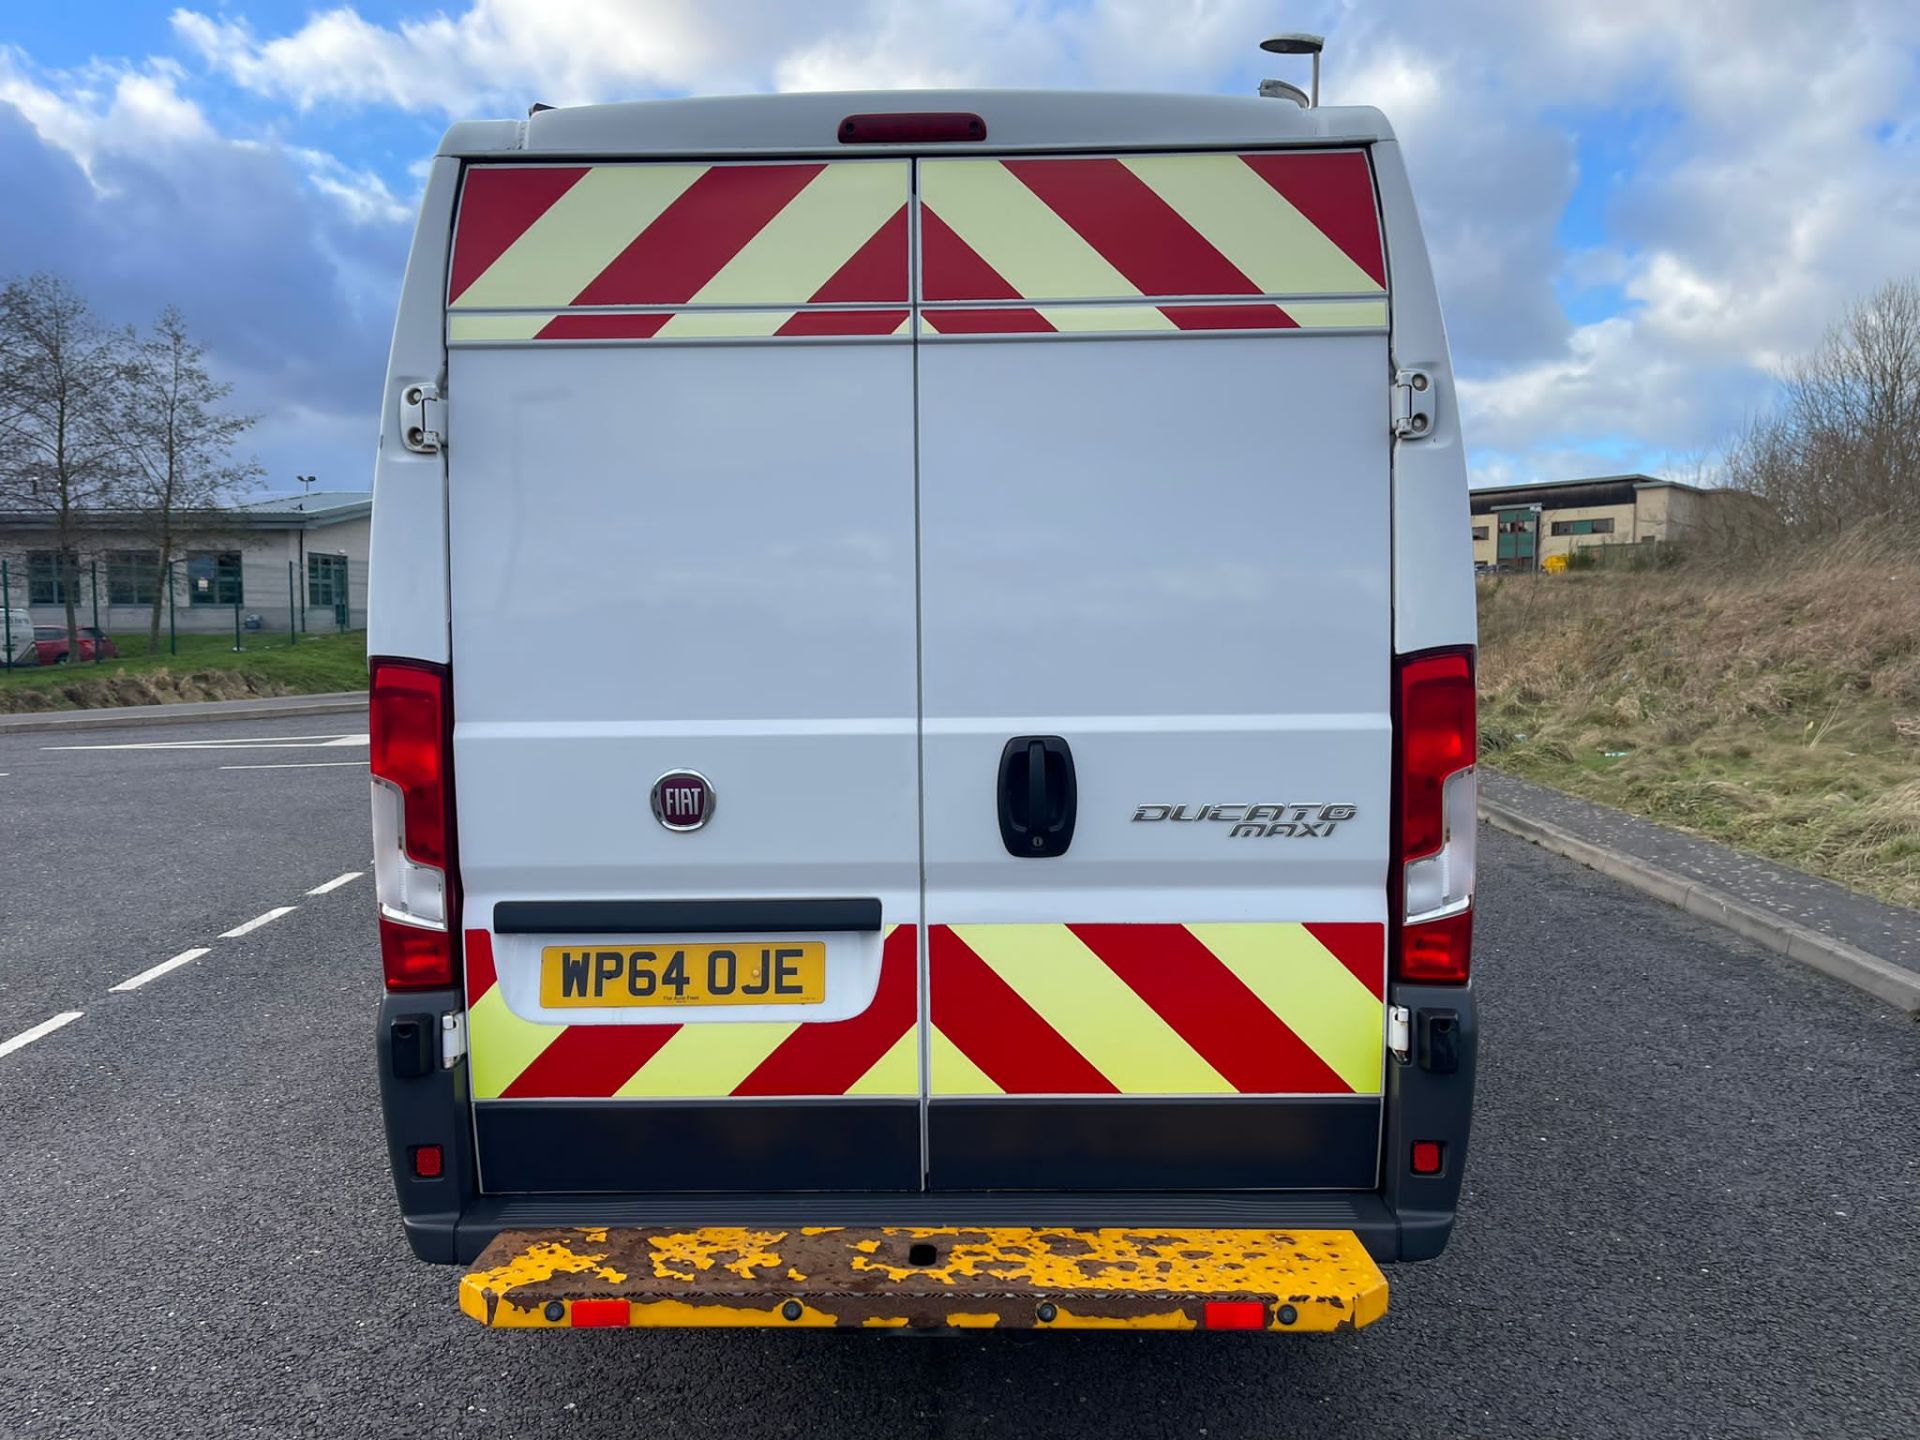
1429, 1099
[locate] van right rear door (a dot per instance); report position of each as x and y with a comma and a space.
1155, 546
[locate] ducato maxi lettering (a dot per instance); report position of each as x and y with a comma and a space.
1300, 820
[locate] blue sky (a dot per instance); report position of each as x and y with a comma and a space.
1638, 211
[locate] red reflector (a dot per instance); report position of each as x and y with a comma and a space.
407, 717
1426, 1157
598, 1314
1436, 739
415, 958
428, 1162
912, 128
1236, 1315
1437, 951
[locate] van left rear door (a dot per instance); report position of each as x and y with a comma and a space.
682, 541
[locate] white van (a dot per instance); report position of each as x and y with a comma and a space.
923, 715
16, 637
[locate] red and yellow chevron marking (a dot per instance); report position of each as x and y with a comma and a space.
532, 237
1276, 241
1271, 1009
521, 325
1300, 225
1157, 319
874, 1053
1217, 1009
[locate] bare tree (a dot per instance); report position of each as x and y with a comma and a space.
1842, 447
61, 373
178, 442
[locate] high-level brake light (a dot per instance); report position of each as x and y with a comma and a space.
410, 721
912, 128
1435, 738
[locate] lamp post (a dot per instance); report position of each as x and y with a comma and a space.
1297, 43
306, 489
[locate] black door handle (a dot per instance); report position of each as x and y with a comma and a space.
1038, 796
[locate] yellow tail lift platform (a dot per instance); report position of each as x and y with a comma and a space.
926, 1279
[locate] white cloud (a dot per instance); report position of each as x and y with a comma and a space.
103, 107
361, 193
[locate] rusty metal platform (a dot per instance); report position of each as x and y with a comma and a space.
926, 1278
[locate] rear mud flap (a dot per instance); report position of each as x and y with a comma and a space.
926, 1278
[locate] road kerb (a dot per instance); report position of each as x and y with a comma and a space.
192, 712
1882, 979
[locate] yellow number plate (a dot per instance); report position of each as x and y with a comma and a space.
677, 973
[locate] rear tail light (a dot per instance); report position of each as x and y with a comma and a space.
410, 716
429, 1162
1426, 1157
1435, 737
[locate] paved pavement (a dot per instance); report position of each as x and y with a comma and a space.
1888, 931
1690, 1205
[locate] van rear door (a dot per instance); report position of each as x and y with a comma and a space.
682, 543
1156, 614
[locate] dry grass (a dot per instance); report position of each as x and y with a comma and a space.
1771, 706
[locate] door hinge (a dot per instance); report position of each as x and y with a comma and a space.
1399, 1032
1412, 404
423, 418
453, 1038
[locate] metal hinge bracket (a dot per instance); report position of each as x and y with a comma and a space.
423, 419
453, 1038
1399, 1031
1412, 405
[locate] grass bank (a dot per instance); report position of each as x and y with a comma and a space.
1773, 706
207, 667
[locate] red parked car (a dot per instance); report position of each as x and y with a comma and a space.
53, 646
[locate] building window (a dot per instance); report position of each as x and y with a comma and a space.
213, 578
1601, 526
1479, 532
52, 577
133, 577
326, 581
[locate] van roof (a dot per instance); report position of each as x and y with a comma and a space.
1016, 120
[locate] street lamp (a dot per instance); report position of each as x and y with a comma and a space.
306, 489
1297, 43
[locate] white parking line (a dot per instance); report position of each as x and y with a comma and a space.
301, 765
45, 1027
257, 922
336, 882
136, 981
258, 742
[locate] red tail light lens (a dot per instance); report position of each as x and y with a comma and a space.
1437, 952
1435, 739
410, 720
415, 957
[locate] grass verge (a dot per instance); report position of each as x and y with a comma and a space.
207, 667
1774, 708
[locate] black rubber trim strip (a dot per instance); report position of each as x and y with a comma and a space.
1138, 1143
626, 1146
680, 917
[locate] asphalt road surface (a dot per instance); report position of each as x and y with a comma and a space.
1691, 1203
